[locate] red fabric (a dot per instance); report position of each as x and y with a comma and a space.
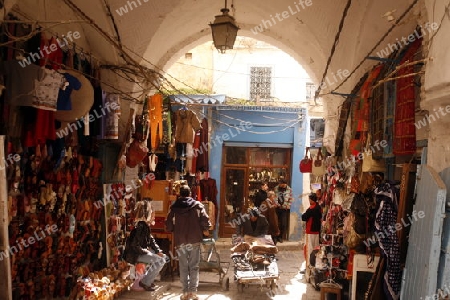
45, 126
364, 108
52, 58
209, 190
202, 164
196, 149
310, 220
404, 128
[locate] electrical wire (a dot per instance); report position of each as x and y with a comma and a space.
143, 72
333, 48
235, 73
376, 45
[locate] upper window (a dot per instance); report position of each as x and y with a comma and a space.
310, 91
260, 83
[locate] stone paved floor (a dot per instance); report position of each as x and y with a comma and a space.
291, 284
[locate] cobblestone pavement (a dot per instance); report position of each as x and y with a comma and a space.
290, 285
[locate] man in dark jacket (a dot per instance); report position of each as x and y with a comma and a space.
313, 218
189, 222
261, 194
254, 224
141, 247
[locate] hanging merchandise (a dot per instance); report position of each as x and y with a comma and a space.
155, 115
82, 99
111, 126
370, 164
306, 163
386, 217
136, 153
186, 124
351, 238
318, 166
404, 128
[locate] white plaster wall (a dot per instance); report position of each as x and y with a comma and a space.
195, 72
436, 93
229, 73
232, 72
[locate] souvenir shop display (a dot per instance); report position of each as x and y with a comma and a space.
362, 195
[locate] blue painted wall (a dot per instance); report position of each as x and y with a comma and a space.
271, 128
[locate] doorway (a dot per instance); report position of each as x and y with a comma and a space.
235, 201
244, 169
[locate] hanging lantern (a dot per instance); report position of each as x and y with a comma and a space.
224, 30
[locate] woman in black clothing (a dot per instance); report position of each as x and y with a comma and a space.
141, 247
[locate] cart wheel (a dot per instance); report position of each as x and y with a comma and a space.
273, 285
226, 284
240, 287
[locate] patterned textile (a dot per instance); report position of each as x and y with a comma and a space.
360, 113
404, 128
376, 116
167, 122
389, 113
47, 90
385, 220
343, 117
111, 119
363, 107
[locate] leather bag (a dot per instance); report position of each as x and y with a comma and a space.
351, 238
370, 164
306, 163
136, 153
318, 166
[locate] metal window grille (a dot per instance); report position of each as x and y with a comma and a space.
260, 83
310, 91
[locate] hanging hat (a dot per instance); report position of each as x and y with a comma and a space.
82, 100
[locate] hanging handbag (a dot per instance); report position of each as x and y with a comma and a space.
351, 238
370, 164
306, 163
318, 167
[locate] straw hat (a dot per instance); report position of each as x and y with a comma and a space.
82, 100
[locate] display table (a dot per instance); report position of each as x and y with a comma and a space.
362, 273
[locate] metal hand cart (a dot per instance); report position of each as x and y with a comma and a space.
210, 262
263, 274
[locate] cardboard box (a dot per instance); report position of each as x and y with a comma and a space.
156, 189
160, 193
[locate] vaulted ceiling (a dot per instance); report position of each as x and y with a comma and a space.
156, 33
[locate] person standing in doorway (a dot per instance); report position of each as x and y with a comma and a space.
261, 194
189, 222
313, 218
284, 197
269, 209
